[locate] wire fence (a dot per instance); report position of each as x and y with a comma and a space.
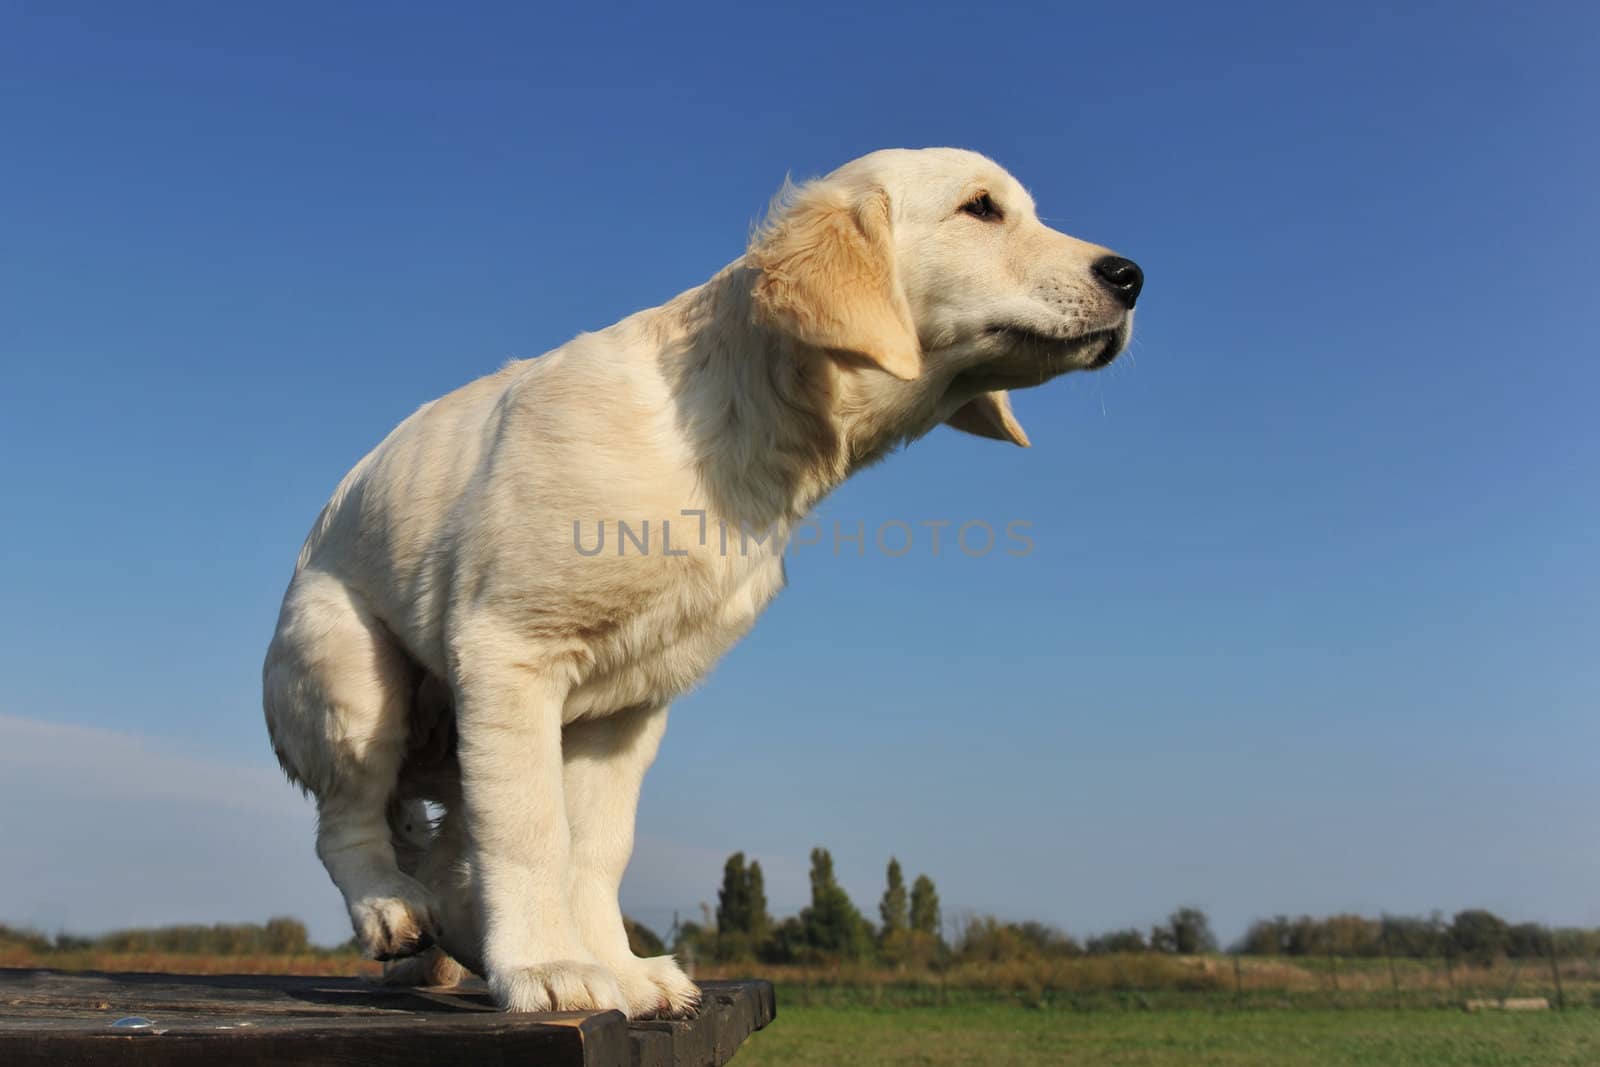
1146, 982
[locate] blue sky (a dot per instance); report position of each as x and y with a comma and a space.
1311, 616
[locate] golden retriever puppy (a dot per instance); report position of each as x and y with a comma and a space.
448, 637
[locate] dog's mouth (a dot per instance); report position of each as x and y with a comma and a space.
1100, 346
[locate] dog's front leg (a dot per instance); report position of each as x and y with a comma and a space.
509, 721
605, 764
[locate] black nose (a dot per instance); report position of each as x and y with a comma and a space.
1122, 276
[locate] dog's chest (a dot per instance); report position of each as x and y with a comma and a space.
670, 645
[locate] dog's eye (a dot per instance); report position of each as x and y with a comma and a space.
981, 207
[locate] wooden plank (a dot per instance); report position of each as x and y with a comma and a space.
254, 994
55, 1017
596, 1040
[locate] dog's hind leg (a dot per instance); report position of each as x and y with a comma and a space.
338, 693
446, 870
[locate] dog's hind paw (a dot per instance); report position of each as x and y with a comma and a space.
432, 969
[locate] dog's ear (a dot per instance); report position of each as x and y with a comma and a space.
989, 415
827, 275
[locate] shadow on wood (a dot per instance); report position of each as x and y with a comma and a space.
55, 1017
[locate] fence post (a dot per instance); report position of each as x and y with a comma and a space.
1333, 971
1238, 982
1511, 983
1555, 972
1394, 977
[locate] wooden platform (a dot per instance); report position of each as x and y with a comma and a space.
241, 1020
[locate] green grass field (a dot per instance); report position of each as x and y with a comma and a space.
1145, 1010
823, 1036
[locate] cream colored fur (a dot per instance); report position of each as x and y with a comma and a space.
444, 640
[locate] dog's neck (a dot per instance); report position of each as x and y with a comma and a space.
774, 424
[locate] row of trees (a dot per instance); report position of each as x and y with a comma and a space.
830, 928
1475, 934
1187, 932
280, 936
911, 930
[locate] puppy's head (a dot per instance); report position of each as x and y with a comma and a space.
932, 266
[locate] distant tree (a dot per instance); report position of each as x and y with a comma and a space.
1481, 936
1187, 933
1351, 935
742, 921
1346, 935
897, 942
285, 936
1416, 937
986, 939
733, 899
1265, 937
1129, 940
760, 920
29, 940
1526, 941
1575, 941
834, 929
786, 943
642, 941
894, 907
1047, 940
925, 916
1300, 937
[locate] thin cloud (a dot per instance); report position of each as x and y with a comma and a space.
110, 764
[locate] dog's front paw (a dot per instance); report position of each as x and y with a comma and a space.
395, 921
565, 985
657, 988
